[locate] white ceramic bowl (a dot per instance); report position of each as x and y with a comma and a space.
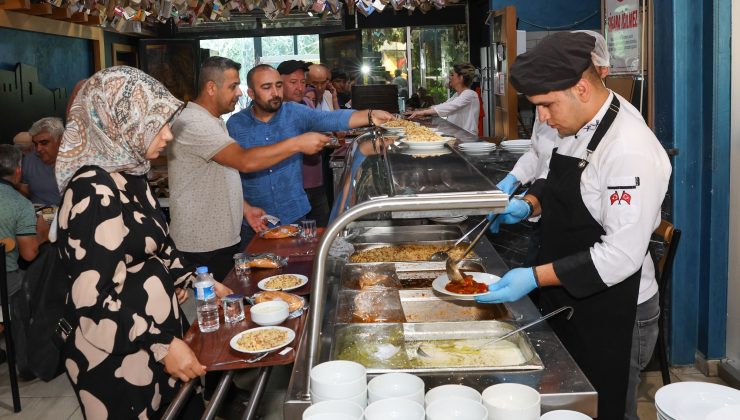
394, 409
396, 385
511, 401
338, 379
343, 407
273, 312
359, 399
564, 415
456, 409
451, 391
331, 416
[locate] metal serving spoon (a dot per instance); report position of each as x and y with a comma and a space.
420, 351
443, 255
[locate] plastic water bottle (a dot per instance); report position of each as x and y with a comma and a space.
206, 302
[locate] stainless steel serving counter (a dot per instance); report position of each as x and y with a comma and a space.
375, 188
561, 383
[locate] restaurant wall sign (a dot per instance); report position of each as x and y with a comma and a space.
623, 35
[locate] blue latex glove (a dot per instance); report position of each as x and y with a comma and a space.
514, 213
512, 286
508, 184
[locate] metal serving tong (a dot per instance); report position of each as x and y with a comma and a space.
453, 273
443, 255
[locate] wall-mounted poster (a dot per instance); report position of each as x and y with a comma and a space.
175, 63
623, 35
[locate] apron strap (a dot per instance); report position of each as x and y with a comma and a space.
601, 130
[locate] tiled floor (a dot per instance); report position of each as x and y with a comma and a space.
56, 401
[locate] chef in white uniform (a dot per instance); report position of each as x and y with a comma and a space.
599, 204
533, 164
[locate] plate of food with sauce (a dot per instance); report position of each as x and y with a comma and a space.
473, 284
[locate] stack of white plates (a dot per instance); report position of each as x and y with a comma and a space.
477, 148
693, 400
516, 146
448, 220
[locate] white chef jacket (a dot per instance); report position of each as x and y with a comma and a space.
622, 187
462, 110
535, 161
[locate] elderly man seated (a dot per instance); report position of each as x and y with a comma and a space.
39, 183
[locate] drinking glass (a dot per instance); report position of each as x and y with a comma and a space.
233, 308
308, 229
241, 266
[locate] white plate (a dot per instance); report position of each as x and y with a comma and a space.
480, 145
694, 400
424, 144
515, 143
440, 282
451, 219
234, 339
262, 282
422, 153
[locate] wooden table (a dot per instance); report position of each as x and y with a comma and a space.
213, 349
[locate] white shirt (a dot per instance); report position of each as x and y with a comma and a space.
533, 163
327, 102
628, 156
462, 110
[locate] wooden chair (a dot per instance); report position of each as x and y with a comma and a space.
7, 245
663, 270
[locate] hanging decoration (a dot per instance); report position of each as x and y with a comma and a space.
129, 15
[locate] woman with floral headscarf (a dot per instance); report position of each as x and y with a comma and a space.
125, 357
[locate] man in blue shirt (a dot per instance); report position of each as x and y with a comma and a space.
279, 189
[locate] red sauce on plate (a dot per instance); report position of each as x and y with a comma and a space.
467, 287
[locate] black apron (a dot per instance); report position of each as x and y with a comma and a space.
599, 335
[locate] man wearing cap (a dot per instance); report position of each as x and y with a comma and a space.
599, 204
533, 163
293, 73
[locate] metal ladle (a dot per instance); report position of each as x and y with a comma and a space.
453, 273
422, 353
443, 255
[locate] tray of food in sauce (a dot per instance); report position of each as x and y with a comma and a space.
447, 346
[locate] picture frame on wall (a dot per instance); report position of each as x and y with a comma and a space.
124, 55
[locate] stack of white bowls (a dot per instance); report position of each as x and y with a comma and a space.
395, 396
333, 410
694, 400
516, 146
396, 385
511, 401
339, 380
454, 402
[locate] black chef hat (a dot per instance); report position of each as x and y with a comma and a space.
556, 63
289, 66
